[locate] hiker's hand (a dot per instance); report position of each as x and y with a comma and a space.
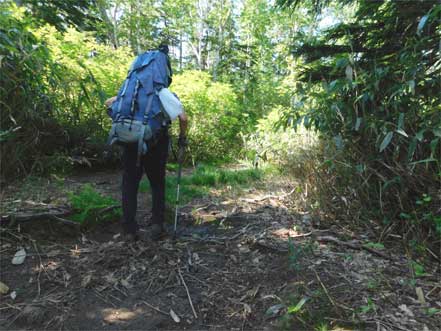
182, 142
109, 101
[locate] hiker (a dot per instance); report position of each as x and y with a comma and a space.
153, 163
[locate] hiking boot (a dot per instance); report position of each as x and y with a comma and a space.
158, 232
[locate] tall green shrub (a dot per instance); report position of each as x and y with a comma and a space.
215, 116
29, 131
371, 86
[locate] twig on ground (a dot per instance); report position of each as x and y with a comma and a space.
270, 196
197, 279
354, 246
433, 254
31, 215
9, 306
325, 289
107, 209
39, 269
102, 298
188, 293
116, 298
155, 308
150, 285
120, 291
64, 221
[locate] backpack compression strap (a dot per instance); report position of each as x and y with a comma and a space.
144, 125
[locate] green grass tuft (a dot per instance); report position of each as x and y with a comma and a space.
202, 180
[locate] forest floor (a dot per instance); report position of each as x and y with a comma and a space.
245, 258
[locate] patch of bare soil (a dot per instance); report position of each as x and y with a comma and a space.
241, 261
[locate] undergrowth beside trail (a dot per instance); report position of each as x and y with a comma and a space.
91, 207
203, 179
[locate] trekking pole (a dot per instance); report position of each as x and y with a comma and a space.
180, 157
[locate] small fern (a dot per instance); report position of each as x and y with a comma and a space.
89, 206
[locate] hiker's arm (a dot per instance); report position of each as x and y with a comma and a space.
183, 124
108, 103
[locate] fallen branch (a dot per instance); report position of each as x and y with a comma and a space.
325, 289
155, 308
56, 214
354, 246
278, 197
64, 221
188, 293
107, 209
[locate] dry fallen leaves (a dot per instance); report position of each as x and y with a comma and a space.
174, 316
86, 280
19, 257
275, 310
3, 288
406, 310
420, 295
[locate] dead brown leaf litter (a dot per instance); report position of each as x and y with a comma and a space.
248, 261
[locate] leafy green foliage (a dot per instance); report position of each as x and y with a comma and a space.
214, 114
418, 269
52, 93
90, 206
294, 149
62, 13
370, 306
28, 129
377, 101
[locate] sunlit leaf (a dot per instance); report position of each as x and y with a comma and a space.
174, 316
298, 306
422, 23
411, 84
386, 141
402, 132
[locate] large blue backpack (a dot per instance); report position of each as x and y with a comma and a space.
137, 113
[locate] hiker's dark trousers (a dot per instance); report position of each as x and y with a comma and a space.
153, 164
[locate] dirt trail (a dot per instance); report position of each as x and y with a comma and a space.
233, 267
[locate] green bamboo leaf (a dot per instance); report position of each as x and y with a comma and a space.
338, 142
402, 132
424, 161
401, 121
422, 23
349, 73
411, 150
332, 84
386, 141
358, 123
433, 145
298, 306
411, 84
420, 135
